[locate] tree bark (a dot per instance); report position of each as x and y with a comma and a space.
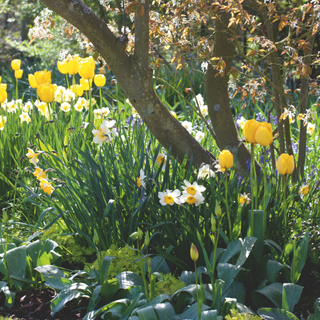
133, 76
227, 136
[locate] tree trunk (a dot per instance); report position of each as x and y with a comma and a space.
133, 76
227, 136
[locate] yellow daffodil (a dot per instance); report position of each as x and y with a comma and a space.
46, 186
40, 174
33, 157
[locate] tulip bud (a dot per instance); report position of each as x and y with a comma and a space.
217, 210
225, 160
140, 234
147, 239
16, 64
194, 254
18, 74
285, 164
134, 236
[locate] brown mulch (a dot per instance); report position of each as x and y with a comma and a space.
35, 305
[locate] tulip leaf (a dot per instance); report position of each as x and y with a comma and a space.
273, 268
276, 314
290, 295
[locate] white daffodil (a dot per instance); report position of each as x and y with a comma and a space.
205, 172
3, 120
199, 136
65, 106
169, 197
192, 189
311, 127
27, 106
104, 132
141, 179
33, 157
195, 199
187, 125
24, 117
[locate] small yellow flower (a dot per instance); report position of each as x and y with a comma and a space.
33, 157
161, 158
244, 199
225, 160
285, 164
99, 80
304, 190
46, 186
18, 74
16, 64
40, 174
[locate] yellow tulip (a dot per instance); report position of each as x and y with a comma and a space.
85, 84
63, 66
285, 164
43, 77
77, 89
86, 68
3, 86
194, 254
99, 80
18, 74
3, 95
16, 64
263, 134
225, 160
73, 66
250, 128
32, 81
46, 92
0, 79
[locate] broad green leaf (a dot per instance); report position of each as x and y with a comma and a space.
190, 313
317, 309
246, 248
209, 315
273, 268
128, 311
108, 289
227, 272
228, 304
189, 277
50, 271
236, 229
147, 313
16, 263
276, 314
128, 279
159, 299
164, 310
232, 249
290, 295
95, 298
273, 292
236, 290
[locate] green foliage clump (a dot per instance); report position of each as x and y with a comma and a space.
126, 259
235, 315
73, 253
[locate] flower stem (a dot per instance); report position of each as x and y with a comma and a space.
265, 196
195, 271
227, 207
16, 88
252, 188
285, 210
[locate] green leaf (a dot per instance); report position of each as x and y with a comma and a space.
227, 272
159, 299
147, 313
74, 291
273, 268
236, 290
17, 263
299, 258
105, 267
276, 314
236, 229
228, 304
109, 288
246, 248
128, 279
317, 309
290, 295
232, 249
191, 312
164, 310
50, 271
273, 292
95, 298
58, 284
10, 296
209, 315
128, 311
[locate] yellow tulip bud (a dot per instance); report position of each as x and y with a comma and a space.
3, 95
250, 128
263, 134
18, 74
217, 210
86, 68
16, 64
77, 89
63, 66
42, 77
225, 160
99, 80
86, 84
285, 164
73, 66
194, 254
46, 92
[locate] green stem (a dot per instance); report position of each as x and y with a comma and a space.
285, 209
100, 98
67, 81
252, 188
228, 214
195, 270
216, 239
16, 89
265, 196
142, 269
